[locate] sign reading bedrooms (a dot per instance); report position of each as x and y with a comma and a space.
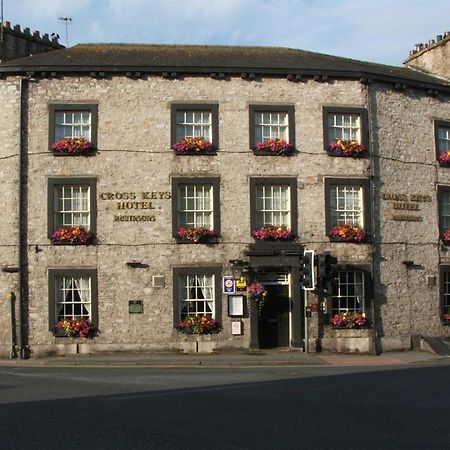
131, 201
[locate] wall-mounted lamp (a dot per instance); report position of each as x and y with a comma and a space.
240, 267
408, 264
137, 264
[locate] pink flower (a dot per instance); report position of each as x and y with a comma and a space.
275, 145
193, 144
347, 233
272, 233
343, 147
74, 146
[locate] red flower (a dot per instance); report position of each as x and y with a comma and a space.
74, 146
196, 234
72, 235
193, 144
347, 233
275, 145
272, 233
343, 147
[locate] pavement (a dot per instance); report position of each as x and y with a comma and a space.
257, 358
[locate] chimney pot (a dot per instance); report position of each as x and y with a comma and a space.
439, 37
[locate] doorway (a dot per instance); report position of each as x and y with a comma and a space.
274, 322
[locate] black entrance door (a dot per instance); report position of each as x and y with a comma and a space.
274, 318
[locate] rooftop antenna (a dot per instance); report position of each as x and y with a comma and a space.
66, 20
1, 13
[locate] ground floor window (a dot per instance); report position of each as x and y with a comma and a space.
197, 292
446, 293
349, 292
72, 295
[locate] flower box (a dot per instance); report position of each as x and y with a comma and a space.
347, 148
193, 146
273, 233
199, 325
349, 320
73, 147
445, 237
348, 340
72, 236
196, 235
274, 147
444, 159
347, 233
75, 328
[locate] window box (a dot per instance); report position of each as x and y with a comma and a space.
73, 147
194, 128
274, 147
75, 328
347, 148
347, 233
272, 129
345, 131
71, 123
445, 237
273, 233
199, 325
193, 146
444, 213
349, 320
197, 235
72, 236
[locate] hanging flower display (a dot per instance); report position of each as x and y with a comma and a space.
343, 147
76, 328
445, 237
197, 235
444, 158
73, 146
276, 146
349, 320
72, 235
193, 145
257, 292
273, 233
347, 233
198, 325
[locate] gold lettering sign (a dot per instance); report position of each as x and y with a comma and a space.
127, 201
406, 202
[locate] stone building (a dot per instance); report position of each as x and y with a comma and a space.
182, 174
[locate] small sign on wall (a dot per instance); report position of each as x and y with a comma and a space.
229, 285
236, 327
135, 306
235, 305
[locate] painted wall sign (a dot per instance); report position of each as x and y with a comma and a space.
127, 201
229, 285
408, 203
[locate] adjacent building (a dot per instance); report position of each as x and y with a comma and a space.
146, 184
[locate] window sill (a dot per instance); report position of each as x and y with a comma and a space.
86, 153
196, 153
347, 241
270, 153
201, 241
73, 244
339, 154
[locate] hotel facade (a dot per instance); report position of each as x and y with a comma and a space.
206, 169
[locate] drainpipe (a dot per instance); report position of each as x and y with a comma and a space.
22, 229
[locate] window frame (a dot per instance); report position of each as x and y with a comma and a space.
443, 269
264, 108
176, 183
367, 285
193, 107
437, 125
70, 107
362, 112
364, 183
441, 189
289, 181
206, 270
78, 272
51, 185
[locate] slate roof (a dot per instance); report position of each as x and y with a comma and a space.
209, 59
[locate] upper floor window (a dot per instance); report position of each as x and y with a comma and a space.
347, 209
194, 128
196, 208
71, 210
442, 144
273, 205
345, 131
72, 295
73, 121
271, 124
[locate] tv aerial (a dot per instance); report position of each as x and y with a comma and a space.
66, 20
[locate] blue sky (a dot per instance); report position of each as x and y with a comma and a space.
382, 31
